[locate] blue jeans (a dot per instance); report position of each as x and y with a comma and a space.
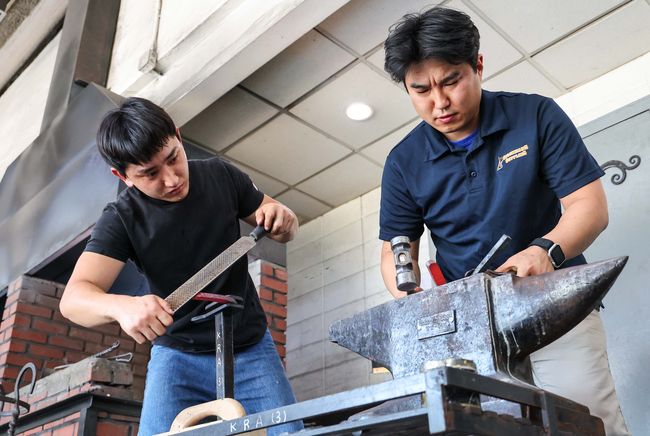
177, 380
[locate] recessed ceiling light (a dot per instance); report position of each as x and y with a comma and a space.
358, 111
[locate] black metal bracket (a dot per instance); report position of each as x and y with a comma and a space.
618, 179
16, 411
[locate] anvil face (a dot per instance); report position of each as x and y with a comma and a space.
494, 321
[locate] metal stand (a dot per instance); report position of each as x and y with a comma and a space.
223, 339
444, 410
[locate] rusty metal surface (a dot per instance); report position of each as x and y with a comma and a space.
494, 321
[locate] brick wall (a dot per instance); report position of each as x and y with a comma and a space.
33, 330
95, 377
271, 283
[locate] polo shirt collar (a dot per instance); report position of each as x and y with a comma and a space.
492, 120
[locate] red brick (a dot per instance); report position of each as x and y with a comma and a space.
280, 324
139, 370
41, 286
281, 350
66, 342
50, 326
31, 309
44, 351
12, 297
56, 316
13, 347
143, 348
20, 359
47, 301
266, 294
30, 336
75, 356
112, 328
52, 424
281, 274
267, 268
108, 428
140, 359
17, 319
67, 430
275, 309
10, 373
274, 284
86, 335
91, 348
280, 298
110, 340
278, 337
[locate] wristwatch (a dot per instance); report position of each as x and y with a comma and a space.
553, 250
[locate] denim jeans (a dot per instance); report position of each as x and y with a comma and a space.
177, 380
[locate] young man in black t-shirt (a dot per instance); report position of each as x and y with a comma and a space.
173, 219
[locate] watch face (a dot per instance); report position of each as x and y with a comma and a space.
556, 255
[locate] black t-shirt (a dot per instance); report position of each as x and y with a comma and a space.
169, 242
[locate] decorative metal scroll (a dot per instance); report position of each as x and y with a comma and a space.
15, 400
617, 179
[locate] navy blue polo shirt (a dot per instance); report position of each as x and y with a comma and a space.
528, 155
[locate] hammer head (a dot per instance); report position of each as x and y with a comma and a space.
495, 321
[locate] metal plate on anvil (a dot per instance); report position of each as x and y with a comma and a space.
437, 324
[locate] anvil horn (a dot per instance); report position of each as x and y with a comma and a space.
531, 312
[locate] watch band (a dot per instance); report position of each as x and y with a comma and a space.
553, 250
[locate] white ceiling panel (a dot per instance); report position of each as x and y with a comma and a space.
264, 183
325, 108
228, 119
299, 68
344, 181
287, 150
378, 150
303, 204
600, 47
533, 24
378, 58
523, 77
363, 24
497, 52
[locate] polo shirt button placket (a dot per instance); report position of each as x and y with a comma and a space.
473, 173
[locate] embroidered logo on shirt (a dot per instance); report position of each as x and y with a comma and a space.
512, 155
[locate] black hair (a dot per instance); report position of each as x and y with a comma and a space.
438, 33
133, 133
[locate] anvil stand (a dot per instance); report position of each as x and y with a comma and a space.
223, 338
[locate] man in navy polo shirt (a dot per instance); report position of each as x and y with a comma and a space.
483, 164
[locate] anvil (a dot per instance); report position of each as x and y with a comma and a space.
496, 321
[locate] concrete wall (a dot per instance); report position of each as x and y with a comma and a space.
334, 272
619, 136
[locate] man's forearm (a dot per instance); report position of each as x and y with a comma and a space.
89, 306
583, 220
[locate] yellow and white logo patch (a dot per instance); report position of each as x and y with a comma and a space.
512, 155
